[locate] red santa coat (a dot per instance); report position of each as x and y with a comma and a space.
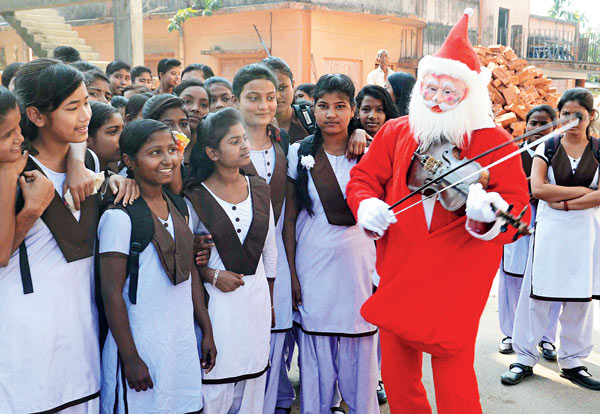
434, 283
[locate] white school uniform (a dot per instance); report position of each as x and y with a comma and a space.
335, 265
49, 351
510, 280
277, 376
241, 322
162, 326
554, 273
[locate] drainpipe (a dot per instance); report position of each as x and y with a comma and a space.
480, 28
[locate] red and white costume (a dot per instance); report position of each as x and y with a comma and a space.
435, 275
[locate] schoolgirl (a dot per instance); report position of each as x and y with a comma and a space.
104, 132
169, 75
133, 110
119, 102
196, 100
255, 88
12, 163
170, 110
48, 334
236, 210
514, 257
220, 92
197, 71
304, 91
564, 178
400, 85
98, 86
151, 346
374, 107
330, 257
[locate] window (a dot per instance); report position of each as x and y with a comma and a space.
502, 27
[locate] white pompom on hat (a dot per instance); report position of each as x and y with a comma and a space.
456, 57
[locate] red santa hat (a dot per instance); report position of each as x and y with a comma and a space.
456, 57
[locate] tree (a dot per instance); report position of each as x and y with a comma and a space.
562, 9
200, 7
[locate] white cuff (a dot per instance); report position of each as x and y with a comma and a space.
493, 232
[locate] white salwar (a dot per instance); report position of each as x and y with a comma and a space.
162, 326
49, 350
241, 322
335, 265
570, 276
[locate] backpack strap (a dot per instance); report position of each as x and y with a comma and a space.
142, 231
305, 116
284, 142
179, 204
551, 148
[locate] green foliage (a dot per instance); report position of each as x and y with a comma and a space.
200, 7
561, 9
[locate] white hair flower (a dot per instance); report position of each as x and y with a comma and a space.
307, 161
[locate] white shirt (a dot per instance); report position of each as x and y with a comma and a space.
377, 77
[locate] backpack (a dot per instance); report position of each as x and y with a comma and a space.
553, 144
142, 232
306, 117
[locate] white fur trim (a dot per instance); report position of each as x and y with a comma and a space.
454, 68
492, 233
469, 11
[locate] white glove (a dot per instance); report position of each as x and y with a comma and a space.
374, 215
480, 202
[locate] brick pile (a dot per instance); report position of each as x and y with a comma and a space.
515, 88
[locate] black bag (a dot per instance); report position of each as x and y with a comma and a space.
306, 117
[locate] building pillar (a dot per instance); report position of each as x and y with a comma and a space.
129, 31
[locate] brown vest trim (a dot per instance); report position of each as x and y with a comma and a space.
236, 257
74, 238
563, 171
278, 180
176, 256
336, 209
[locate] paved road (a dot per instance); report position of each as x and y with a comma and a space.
544, 393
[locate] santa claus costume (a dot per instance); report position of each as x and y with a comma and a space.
436, 270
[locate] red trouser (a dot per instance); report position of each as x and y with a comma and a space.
453, 374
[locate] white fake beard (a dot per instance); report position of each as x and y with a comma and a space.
430, 128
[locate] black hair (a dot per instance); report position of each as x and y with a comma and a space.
214, 80
584, 98
541, 108
279, 64
136, 71
156, 105
167, 63
402, 84
377, 92
188, 83
44, 84
119, 101
101, 112
8, 102
135, 105
91, 76
67, 54
9, 72
135, 134
207, 71
84, 66
330, 83
211, 131
307, 88
116, 65
136, 87
249, 73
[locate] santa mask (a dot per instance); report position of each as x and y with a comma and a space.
441, 93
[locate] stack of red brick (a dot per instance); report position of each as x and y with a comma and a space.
515, 88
